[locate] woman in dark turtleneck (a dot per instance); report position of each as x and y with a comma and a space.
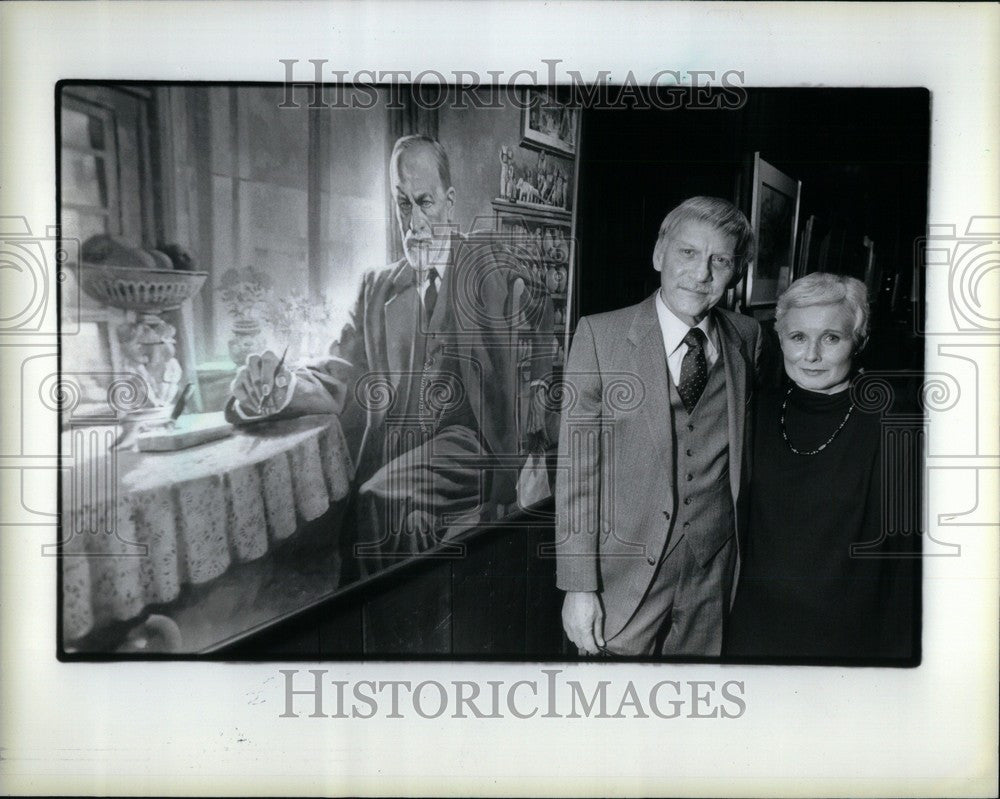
812, 584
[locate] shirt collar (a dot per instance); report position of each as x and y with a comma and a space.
440, 259
674, 329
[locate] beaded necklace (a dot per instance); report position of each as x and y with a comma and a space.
784, 434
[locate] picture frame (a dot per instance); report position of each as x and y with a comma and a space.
774, 217
812, 247
873, 273
548, 124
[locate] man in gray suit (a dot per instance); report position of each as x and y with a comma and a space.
653, 450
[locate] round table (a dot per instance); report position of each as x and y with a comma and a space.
137, 526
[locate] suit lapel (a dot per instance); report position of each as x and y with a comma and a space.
650, 363
400, 321
734, 361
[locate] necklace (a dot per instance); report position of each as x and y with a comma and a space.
784, 434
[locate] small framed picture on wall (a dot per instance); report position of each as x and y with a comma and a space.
774, 217
548, 124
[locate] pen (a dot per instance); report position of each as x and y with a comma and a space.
181, 401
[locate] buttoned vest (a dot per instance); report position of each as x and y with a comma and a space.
704, 515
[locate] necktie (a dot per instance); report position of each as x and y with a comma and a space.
431, 294
694, 369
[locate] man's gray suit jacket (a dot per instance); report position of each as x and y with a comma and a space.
615, 498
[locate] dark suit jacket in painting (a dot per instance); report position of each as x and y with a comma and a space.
486, 294
615, 488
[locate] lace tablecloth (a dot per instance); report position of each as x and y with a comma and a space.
137, 526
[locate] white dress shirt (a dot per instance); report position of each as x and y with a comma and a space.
438, 260
674, 330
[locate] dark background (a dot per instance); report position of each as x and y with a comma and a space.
861, 154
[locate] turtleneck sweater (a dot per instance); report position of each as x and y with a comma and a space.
803, 592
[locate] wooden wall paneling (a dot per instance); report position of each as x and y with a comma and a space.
341, 628
488, 596
507, 594
543, 601
411, 615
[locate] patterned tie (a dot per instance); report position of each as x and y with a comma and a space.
694, 369
431, 294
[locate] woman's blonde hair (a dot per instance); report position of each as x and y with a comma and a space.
825, 288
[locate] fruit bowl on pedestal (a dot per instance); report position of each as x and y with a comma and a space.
137, 289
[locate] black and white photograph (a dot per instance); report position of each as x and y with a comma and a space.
342, 386
480, 399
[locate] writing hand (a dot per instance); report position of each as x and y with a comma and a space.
261, 385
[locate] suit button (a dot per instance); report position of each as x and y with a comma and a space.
687, 524
690, 477
691, 427
666, 513
689, 453
687, 500
650, 560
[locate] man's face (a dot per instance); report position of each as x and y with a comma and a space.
696, 262
423, 206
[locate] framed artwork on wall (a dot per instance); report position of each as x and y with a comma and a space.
873, 273
812, 247
547, 124
774, 216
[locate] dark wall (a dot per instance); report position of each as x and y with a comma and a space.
861, 154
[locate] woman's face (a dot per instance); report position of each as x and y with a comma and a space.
817, 347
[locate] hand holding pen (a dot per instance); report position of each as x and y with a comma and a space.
260, 386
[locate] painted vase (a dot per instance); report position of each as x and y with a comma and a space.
246, 340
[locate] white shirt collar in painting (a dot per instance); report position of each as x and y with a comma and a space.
439, 260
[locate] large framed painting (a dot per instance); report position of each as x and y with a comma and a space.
774, 216
195, 517
548, 124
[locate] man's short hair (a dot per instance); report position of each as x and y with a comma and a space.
440, 156
825, 288
720, 214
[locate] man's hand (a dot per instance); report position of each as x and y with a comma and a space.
535, 426
260, 387
583, 620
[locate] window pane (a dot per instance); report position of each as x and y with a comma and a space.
81, 225
84, 180
82, 130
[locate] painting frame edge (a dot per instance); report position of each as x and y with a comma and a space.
766, 172
535, 140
